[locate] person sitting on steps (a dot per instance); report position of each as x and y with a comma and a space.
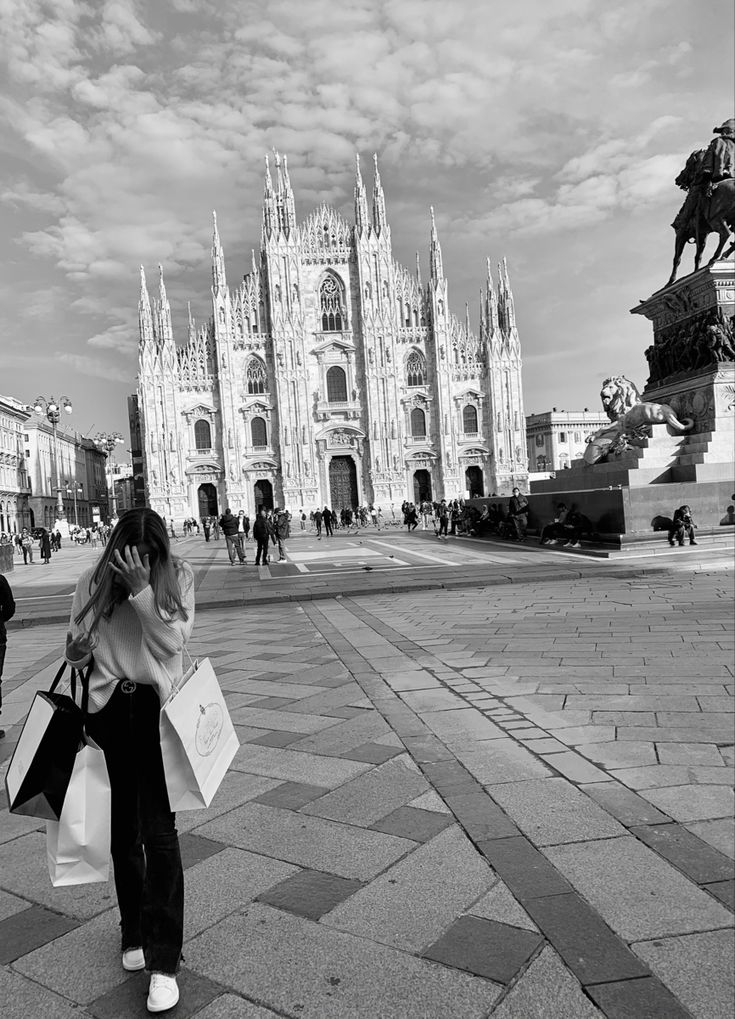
683, 525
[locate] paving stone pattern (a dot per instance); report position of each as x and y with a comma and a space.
496, 801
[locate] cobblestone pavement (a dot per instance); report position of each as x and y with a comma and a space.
508, 801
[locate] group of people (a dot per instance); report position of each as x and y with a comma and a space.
269, 527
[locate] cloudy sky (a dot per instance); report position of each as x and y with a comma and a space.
548, 131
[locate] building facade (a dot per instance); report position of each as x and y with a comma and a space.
330, 375
14, 487
72, 464
558, 437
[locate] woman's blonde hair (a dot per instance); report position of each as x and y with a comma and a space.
136, 527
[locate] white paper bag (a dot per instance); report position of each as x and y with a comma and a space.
78, 844
198, 740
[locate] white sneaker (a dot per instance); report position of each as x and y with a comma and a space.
576, 544
133, 959
163, 992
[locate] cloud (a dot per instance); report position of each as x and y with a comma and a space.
96, 367
126, 122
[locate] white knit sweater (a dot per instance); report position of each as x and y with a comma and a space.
135, 643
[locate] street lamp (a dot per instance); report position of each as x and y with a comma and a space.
107, 441
52, 410
74, 488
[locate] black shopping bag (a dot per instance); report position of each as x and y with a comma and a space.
43, 759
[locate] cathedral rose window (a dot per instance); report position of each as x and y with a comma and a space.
255, 376
331, 301
336, 385
415, 369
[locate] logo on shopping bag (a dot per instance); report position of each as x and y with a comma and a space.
209, 728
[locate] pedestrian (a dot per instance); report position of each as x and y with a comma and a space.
46, 547
206, 527
134, 611
261, 535
518, 513
303, 520
26, 543
7, 611
281, 532
318, 523
216, 529
327, 518
442, 518
233, 537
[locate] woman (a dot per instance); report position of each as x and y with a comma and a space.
135, 610
46, 547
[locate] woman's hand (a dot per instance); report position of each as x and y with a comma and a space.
78, 649
134, 572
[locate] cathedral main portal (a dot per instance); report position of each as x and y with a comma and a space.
343, 483
207, 501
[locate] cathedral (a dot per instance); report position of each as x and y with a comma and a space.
331, 375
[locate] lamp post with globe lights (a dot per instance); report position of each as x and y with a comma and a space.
74, 488
107, 441
52, 409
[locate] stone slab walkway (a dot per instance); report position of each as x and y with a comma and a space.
511, 802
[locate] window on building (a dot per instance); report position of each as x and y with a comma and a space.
541, 463
539, 440
255, 376
416, 369
562, 436
418, 423
336, 385
202, 434
258, 432
331, 301
577, 436
469, 419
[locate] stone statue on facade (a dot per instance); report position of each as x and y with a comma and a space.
631, 420
709, 180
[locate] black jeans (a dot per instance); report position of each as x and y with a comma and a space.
149, 878
262, 553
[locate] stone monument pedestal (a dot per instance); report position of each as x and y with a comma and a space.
692, 370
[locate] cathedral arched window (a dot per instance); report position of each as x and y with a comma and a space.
258, 432
415, 369
336, 385
418, 423
469, 419
255, 376
202, 434
332, 304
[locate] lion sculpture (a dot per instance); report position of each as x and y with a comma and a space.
631, 419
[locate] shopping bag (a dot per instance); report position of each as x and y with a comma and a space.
198, 739
42, 762
78, 844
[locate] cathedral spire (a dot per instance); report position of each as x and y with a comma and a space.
380, 221
284, 200
192, 323
492, 305
437, 267
269, 202
362, 222
418, 269
219, 279
145, 317
510, 308
165, 330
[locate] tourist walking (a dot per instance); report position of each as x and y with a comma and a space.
518, 513
26, 544
318, 522
281, 531
327, 518
261, 535
46, 547
131, 616
7, 611
233, 537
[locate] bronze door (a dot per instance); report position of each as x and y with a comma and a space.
342, 483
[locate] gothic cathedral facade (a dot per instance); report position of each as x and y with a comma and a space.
330, 376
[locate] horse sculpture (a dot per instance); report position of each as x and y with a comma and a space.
631, 419
705, 211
